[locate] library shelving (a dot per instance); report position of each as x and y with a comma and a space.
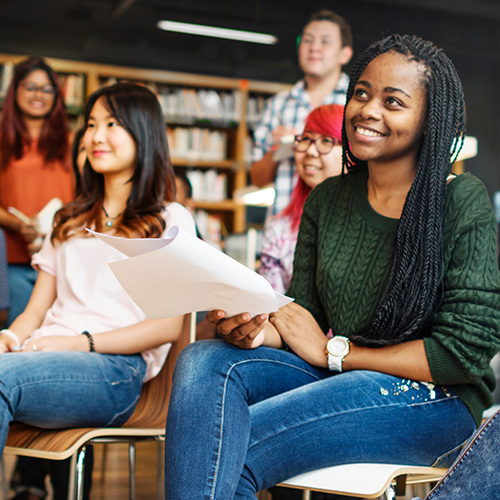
209, 124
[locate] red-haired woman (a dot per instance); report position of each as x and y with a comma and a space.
318, 155
34, 167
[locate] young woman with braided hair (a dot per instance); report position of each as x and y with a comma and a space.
398, 258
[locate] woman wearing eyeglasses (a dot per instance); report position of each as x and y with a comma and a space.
318, 155
34, 167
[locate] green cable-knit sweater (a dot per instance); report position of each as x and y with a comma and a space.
343, 261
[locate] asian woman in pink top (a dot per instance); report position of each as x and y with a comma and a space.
88, 346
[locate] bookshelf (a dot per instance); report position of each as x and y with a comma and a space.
206, 116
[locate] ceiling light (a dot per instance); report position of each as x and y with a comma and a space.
198, 29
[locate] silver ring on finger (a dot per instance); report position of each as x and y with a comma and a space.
34, 347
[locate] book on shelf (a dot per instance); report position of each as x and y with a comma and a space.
73, 88
208, 185
211, 227
6, 77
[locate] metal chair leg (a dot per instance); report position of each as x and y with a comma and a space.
131, 465
104, 460
160, 484
390, 493
79, 473
5, 489
306, 495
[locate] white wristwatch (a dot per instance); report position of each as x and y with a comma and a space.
336, 350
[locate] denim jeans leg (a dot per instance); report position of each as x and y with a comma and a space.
475, 475
241, 421
208, 424
358, 416
54, 390
22, 279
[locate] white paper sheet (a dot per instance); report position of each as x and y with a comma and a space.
182, 274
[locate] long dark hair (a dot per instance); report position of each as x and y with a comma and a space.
75, 151
415, 281
138, 111
14, 136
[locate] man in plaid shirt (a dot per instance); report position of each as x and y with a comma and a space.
325, 46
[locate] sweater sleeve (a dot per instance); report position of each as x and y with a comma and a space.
465, 331
303, 286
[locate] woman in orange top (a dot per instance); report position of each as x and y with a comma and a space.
34, 167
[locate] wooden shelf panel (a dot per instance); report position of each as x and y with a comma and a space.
220, 165
226, 206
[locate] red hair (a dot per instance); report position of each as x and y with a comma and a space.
325, 120
53, 142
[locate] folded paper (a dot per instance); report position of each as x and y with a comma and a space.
180, 274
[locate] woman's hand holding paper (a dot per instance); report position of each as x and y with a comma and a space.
241, 330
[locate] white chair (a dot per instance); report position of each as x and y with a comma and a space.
364, 480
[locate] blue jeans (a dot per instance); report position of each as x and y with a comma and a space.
22, 279
54, 390
243, 420
475, 475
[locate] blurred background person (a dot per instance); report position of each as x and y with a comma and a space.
318, 155
34, 168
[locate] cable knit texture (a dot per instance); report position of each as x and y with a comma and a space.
343, 261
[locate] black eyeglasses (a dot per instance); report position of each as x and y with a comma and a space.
323, 143
32, 89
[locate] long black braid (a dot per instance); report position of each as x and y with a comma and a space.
415, 282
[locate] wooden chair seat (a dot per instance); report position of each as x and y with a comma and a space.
147, 422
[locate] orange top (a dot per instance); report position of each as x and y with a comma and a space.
28, 184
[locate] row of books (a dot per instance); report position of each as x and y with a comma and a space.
208, 185
211, 227
255, 109
187, 104
197, 144
73, 89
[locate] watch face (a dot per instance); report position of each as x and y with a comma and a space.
338, 346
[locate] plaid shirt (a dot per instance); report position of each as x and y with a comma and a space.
289, 109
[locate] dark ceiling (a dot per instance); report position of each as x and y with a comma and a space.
123, 32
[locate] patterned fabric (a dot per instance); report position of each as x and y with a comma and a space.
289, 109
343, 260
278, 248
4, 283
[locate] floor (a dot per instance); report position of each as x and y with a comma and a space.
114, 484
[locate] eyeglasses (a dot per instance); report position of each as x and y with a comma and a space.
323, 143
47, 91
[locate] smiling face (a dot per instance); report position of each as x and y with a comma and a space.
314, 168
320, 50
386, 116
111, 150
35, 95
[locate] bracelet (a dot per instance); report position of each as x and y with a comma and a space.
91, 341
11, 334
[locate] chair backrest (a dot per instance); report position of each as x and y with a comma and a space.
151, 410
